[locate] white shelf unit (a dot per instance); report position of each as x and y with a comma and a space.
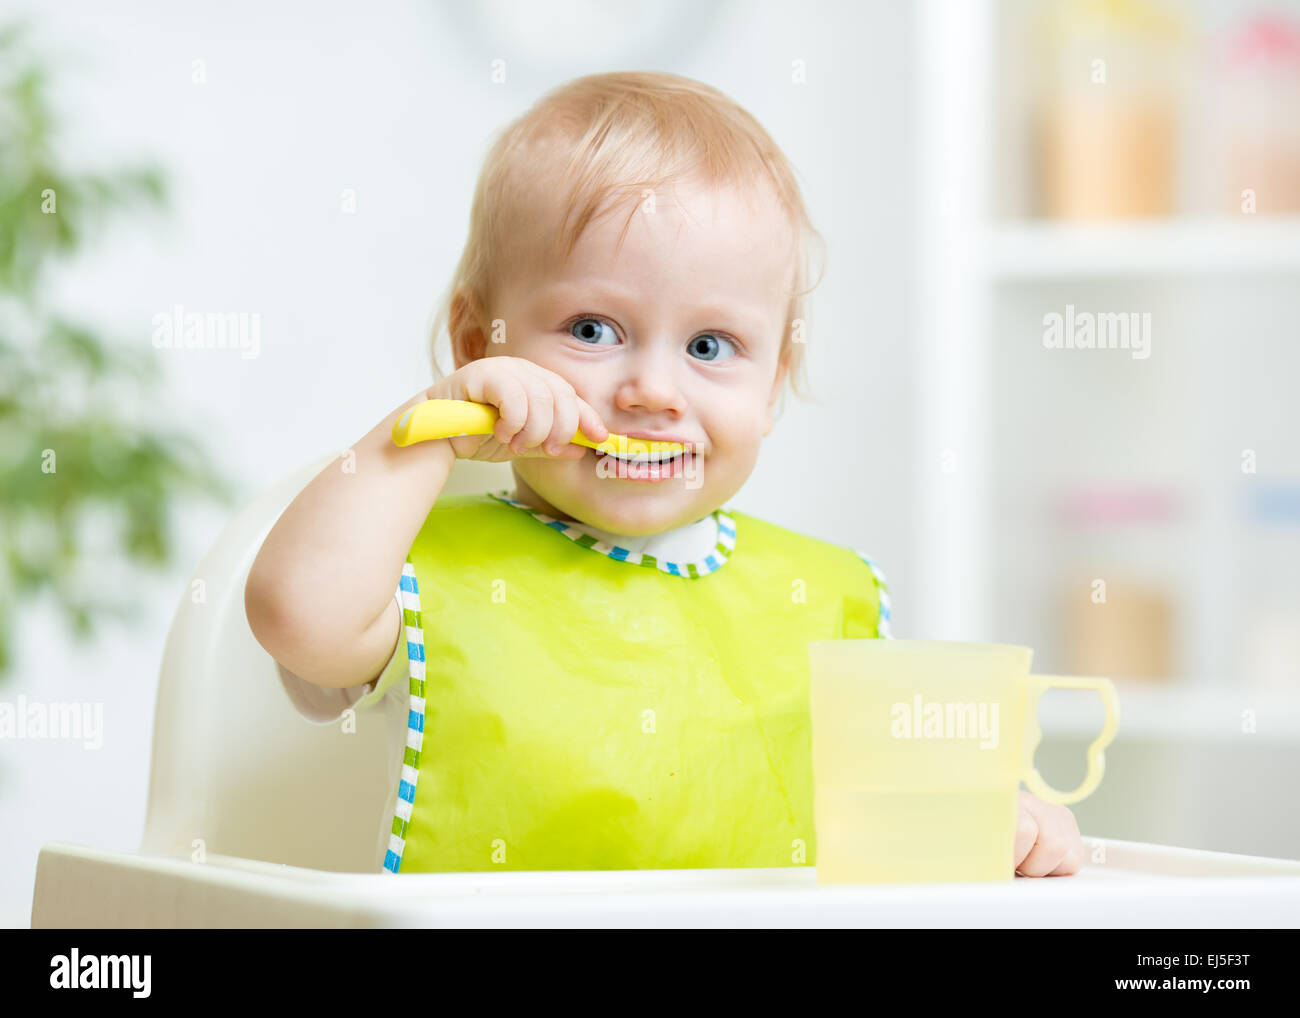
1155, 711
1003, 424
1266, 247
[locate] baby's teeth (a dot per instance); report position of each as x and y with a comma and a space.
643, 457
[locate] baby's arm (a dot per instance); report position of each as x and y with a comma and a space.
319, 596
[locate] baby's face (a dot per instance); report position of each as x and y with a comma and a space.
676, 335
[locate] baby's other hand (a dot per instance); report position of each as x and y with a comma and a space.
1048, 843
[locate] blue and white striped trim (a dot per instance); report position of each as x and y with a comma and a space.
716, 559
415, 719
882, 590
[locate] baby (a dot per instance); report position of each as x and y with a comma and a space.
605, 668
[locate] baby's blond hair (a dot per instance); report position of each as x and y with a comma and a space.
605, 138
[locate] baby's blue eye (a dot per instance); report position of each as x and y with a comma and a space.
707, 347
589, 330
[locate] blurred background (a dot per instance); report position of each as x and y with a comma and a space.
1060, 305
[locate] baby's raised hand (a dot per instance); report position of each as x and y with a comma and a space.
539, 411
1047, 839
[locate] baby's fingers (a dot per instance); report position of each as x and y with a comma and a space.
571, 413
1026, 835
590, 423
541, 417
508, 394
565, 419
1056, 848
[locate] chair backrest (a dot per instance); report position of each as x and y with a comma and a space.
234, 766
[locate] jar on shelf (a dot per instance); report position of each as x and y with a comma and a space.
1257, 117
1120, 572
1107, 121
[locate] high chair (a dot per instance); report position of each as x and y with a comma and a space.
235, 770
257, 817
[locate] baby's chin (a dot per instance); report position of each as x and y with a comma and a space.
641, 519
631, 510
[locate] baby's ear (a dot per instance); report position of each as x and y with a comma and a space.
782, 369
468, 341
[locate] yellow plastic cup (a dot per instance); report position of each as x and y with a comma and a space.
919, 748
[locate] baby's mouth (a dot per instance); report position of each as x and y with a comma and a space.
641, 457
641, 466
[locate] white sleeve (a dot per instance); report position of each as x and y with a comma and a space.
322, 705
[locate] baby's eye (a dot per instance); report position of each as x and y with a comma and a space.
708, 346
592, 330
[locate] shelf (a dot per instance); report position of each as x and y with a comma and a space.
1174, 712
1051, 250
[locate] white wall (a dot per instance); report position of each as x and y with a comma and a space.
395, 101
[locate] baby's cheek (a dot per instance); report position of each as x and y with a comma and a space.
743, 430
741, 455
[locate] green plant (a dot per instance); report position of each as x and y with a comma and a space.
72, 442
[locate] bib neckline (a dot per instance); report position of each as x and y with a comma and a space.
712, 562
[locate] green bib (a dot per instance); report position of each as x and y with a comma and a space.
576, 706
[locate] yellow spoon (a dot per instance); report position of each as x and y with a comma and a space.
452, 418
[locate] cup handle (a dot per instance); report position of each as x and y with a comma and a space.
1040, 684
